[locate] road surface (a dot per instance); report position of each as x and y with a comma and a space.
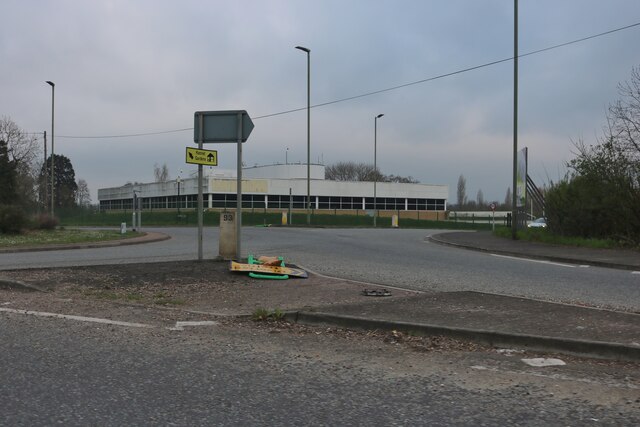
392, 257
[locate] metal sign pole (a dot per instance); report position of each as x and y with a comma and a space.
140, 213
239, 208
226, 127
200, 201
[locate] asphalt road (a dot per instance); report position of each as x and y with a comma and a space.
76, 371
73, 373
393, 257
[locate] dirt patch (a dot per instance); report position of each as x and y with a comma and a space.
202, 286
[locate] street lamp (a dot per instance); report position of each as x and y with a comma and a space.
375, 166
53, 95
308, 51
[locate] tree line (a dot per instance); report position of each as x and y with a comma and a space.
352, 171
480, 203
600, 195
25, 179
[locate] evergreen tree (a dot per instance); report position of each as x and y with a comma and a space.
65, 186
462, 191
8, 186
508, 199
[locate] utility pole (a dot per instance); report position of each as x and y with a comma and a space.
514, 207
53, 191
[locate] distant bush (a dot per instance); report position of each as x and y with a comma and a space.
594, 207
12, 219
46, 222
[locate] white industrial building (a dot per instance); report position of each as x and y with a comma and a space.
277, 187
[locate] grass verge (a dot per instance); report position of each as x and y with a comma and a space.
259, 217
543, 235
61, 236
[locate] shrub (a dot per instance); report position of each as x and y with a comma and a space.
12, 219
594, 207
46, 222
262, 314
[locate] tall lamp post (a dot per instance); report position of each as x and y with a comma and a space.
308, 51
53, 96
375, 167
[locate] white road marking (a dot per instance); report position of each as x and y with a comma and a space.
635, 272
78, 318
359, 282
535, 260
508, 351
180, 325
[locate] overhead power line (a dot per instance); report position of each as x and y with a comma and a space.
125, 136
375, 92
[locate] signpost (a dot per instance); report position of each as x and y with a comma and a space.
223, 127
492, 206
201, 157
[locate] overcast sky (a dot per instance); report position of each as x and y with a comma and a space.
134, 66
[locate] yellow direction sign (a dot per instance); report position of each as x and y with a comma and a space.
202, 157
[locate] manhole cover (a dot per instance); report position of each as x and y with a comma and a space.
376, 293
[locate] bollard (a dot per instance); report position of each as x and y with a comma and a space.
123, 228
227, 242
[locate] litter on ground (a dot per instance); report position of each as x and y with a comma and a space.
376, 293
543, 361
266, 267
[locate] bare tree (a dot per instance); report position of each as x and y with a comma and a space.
341, 171
462, 191
366, 172
401, 179
161, 173
22, 147
351, 171
23, 150
604, 175
624, 118
83, 196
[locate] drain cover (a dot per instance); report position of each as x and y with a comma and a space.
376, 293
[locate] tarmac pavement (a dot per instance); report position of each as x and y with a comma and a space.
504, 321
497, 320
